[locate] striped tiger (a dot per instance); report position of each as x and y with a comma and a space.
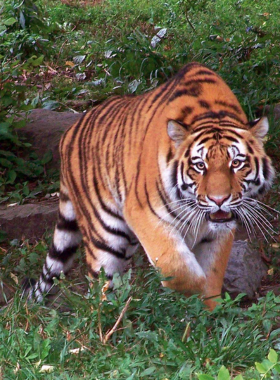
172, 169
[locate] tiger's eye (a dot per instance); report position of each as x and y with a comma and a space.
236, 163
200, 166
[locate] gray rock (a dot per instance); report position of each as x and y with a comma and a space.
245, 270
273, 111
30, 221
44, 130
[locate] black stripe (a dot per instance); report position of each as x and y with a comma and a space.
92, 273
187, 152
207, 132
206, 240
149, 203
194, 91
216, 115
106, 248
229, 105
261, 190
64, 224
265, 168
136, 182
174, 180
182, 170
208, 124
195, 81
163, 199
186, 111
103, 205
205, 72
204, 140
249, 148
169, 155
204, 104
48, 280
257, 167
62, 256
88, 247
230, 138
63, 197
108, 228
134, 242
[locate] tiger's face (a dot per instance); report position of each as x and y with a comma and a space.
222, 171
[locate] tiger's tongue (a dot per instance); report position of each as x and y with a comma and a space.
220, 215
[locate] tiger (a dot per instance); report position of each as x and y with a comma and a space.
172, 170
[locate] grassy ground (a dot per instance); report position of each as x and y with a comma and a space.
70, 55
162, 335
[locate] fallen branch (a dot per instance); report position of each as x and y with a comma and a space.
114, 328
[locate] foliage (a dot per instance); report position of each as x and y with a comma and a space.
17, 163
20, 19
162, 334
61, 46
268, 368
64, 47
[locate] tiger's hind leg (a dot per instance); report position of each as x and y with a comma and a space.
61, 254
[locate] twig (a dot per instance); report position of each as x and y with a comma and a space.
187, 332
190, 24
114, 328
99, 323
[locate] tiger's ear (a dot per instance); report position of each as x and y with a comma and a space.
259, 128
177, 132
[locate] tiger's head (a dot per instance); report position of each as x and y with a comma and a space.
221, 170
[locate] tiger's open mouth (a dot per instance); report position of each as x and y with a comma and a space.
220, 217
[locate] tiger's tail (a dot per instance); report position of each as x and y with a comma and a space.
66, 240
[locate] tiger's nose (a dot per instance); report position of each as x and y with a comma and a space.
219, 199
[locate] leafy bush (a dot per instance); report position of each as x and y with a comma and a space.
22, 29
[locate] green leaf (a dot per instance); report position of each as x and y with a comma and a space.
11, 177
7, 154
50, 105
32, 356
5, 163
238, 377
38, 61
260, 368
205, 377
10, 21
21, 19
273, 356
148, 371
223, 374
47, 157
3, 236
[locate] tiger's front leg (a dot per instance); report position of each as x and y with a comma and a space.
167, 251
213, 257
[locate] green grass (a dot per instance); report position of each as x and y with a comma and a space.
162, 334
65, 58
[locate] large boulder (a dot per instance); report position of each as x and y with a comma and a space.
29, 221
44, 130
245, 270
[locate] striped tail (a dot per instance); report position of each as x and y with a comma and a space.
66, 240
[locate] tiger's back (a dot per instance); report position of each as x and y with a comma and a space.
141, 169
